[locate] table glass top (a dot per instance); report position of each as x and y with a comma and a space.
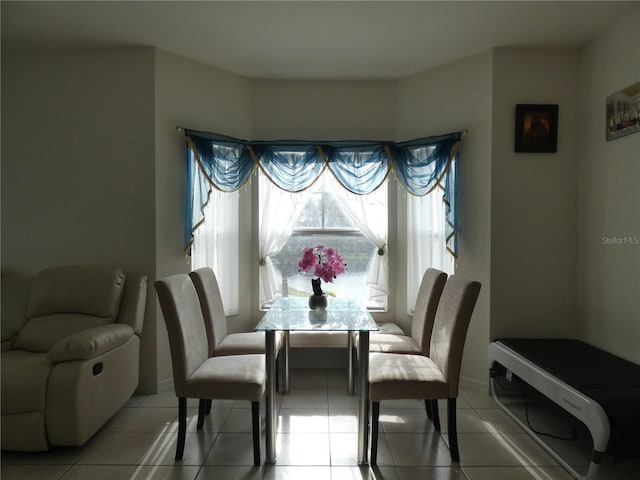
293, 313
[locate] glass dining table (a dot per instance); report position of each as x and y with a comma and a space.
293, 314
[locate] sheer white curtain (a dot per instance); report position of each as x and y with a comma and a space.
426, 241
215, 245
278, 212
369, 214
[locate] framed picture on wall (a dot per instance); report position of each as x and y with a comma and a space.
536, 128
623, 112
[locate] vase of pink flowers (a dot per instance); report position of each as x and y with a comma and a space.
326, 264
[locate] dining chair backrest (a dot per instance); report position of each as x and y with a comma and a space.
450, 327
431, 286
206, 284
185, 327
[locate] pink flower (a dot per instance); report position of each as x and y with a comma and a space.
308, 260
325, 261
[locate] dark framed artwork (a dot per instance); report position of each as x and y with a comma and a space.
536, 128
623, 112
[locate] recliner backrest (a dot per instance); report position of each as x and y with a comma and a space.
433, 282
65, 300
88, 290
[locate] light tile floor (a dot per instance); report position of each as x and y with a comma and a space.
316, 440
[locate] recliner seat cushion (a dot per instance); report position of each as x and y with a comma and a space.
41, 333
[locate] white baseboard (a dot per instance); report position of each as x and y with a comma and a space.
164, 385
474, 383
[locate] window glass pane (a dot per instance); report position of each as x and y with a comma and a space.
333, 216
323, 211
311, 216
322, 222
355, 249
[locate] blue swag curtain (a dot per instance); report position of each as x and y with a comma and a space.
226, 163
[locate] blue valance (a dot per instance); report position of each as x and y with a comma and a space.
226, 163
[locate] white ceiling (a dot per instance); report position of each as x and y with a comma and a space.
307, 39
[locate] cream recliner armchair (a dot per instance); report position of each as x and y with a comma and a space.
72, 361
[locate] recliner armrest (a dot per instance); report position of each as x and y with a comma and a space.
90, 343
134, 301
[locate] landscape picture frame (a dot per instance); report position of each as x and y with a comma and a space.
623, 112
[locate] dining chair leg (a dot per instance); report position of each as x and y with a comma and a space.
202, 412
375, 416
209, 403
434, 408
453, 430
427, 406
255, 417
182, 426
435, 414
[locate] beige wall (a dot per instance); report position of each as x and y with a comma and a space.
533, 204
324, 110
191, 95
448, 99
77, 164
609, 195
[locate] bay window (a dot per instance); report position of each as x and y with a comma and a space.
329, 193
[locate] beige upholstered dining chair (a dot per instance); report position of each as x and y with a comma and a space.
195, 373
408, 376
221, 342
424, 314
392, 341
